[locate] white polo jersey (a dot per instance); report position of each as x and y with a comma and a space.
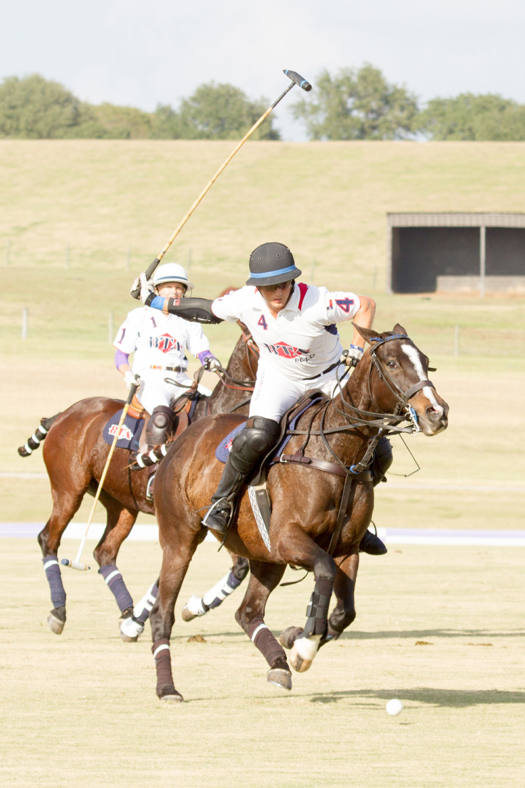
302, 341
158, 339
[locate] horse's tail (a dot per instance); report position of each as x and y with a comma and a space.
38, 436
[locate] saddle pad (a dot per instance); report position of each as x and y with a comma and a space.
129, 432
223, 449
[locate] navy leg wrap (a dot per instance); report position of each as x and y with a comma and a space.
54, 578
117, 586
317, 611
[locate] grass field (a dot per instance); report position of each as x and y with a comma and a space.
81, 710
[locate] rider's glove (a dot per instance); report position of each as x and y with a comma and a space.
130, 379
145, 286
212, 363
353, 355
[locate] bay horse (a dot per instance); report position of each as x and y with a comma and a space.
319, 513
75, 454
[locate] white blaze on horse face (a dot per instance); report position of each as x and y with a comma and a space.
413, 355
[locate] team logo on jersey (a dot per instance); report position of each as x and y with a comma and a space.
165, 343
125, 432
284, 350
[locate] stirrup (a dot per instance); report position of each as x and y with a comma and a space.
149, 486
223, 503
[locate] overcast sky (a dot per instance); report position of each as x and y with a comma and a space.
142, 52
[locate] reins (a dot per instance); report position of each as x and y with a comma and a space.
356, 418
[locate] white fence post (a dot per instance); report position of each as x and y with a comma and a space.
25, 316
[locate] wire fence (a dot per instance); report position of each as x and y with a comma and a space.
456, 341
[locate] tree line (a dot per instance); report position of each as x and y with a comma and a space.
352, 104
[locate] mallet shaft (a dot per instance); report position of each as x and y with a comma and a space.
152, 266
125, 409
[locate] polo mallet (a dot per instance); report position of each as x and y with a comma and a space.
297, 79
76, 564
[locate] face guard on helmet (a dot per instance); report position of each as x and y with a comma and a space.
271, 264
171, 272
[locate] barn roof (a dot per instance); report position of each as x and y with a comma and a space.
456, 219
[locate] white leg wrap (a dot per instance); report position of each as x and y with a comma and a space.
307, 647
146, 603
195, 606
219, 591
131, 628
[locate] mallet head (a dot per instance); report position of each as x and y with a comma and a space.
298, 79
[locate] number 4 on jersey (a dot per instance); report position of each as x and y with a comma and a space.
262, 322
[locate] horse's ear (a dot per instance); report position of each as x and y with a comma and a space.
398, 329
367, 333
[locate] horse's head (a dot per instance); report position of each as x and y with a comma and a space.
399, 376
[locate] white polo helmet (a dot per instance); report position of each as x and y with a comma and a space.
171, 272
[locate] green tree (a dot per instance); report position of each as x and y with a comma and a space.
37, 108
471, 117
166, 123
357, 104
222, 112
123, 123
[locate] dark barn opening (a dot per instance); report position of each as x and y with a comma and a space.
458, 252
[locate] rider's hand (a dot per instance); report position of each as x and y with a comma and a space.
212, 363
146, 287
353, 355
130, 379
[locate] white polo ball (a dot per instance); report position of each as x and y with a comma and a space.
394, 707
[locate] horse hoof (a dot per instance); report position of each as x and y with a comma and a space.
131, 630
171, 696
303, 652
55, 624
193, 608
280, 678
289, 636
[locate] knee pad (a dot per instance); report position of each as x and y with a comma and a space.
159, 424
256, 439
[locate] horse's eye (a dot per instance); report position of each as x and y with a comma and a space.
391, 364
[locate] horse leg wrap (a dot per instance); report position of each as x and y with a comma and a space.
263, 639
54, 578
162, 656
317, 611
142, 610
216, 595
117, 586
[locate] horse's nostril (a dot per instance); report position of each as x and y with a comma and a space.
434, 414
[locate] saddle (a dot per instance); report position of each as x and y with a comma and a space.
257, 488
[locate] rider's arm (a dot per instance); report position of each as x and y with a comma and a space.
364, 317
196, 310
122, 361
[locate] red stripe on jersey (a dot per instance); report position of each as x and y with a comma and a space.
303, 289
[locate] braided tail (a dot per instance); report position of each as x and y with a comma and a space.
38, 436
